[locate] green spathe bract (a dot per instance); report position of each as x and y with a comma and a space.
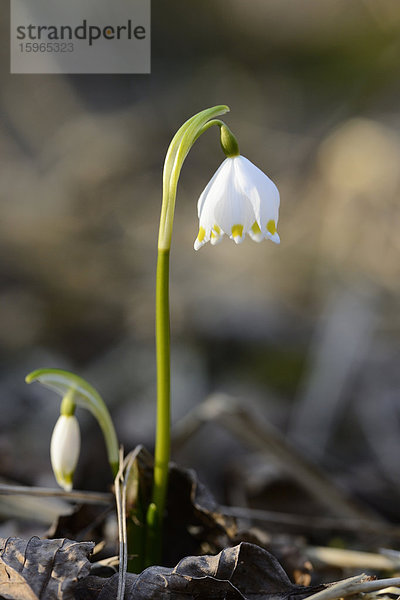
178, 149
84, 395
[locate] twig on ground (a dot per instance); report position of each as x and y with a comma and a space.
354, 585
74, 495
294, 521
343, 558
121, 482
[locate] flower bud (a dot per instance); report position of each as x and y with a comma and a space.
64, 450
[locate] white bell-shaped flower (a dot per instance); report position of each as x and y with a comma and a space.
239, 199
64, 449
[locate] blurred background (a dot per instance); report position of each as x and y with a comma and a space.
305, 334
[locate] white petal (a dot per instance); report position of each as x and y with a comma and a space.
256, 237
234, 209
274, 238
261, 191
215, 184
216, 239
212, 195
197, 245
237, 238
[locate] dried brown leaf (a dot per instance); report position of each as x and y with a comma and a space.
244, 572
194, 523
42, 569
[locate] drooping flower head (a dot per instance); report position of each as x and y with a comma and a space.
64, 449
239, 199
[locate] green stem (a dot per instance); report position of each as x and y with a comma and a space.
162, 449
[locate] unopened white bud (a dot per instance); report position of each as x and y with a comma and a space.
64, 449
